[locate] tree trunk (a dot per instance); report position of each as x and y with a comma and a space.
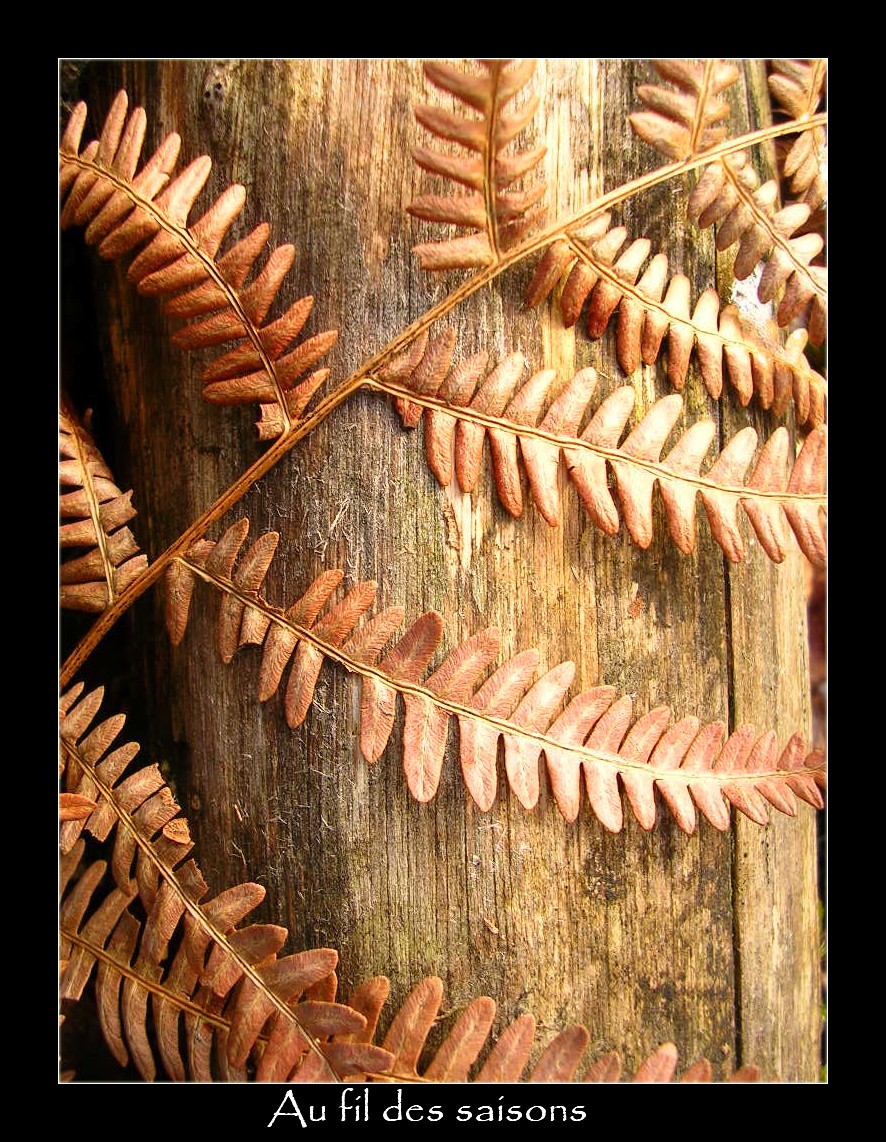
709, 941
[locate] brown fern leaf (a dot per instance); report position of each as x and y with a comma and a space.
74, 807
729, 194
92, 754
798, 85
776, 504
650, 307
592, 742
593, 738
507, 1058
294, 636
181, 970
686, 763
124, 211
682, 122
495, 216
426, 726
465, 1041
405, 663
660, 1067
412, 1024
93, 515
561, 1058
408, 1033
303, 636
241, 1015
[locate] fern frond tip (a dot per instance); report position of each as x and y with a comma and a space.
498, 220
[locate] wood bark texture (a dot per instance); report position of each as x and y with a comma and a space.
709, 941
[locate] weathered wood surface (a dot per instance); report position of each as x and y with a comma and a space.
709, 941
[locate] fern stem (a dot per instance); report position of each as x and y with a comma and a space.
489, 166
127, 971
700, 104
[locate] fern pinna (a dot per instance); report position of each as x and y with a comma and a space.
591, 743
93, 517
773, 502
506, 428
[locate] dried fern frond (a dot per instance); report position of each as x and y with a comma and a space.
592, 743
798, 85
495, 216
178, 979
507, 1057
728, 192
93, 517
452, 1062
463, 406
596, 272
125, 209
683, 120
661, 1066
